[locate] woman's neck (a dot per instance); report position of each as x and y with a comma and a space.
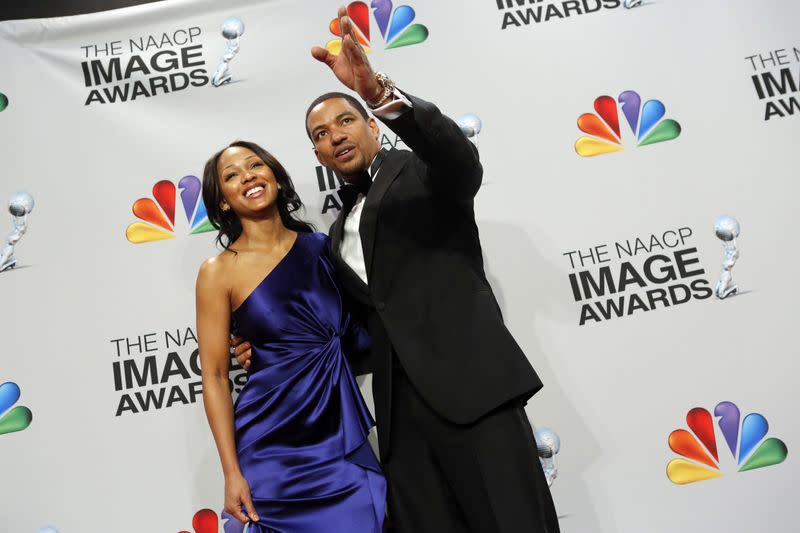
264, 233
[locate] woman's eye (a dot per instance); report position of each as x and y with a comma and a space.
229, 176
347, 121
257, 164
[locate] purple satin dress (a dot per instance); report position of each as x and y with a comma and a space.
300, 421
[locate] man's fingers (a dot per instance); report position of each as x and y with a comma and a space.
362, 54
344, 24
236, 341
244, 356
322, 55
353, 52
358, 61
243, 359
347, 48
248, 504
241, 349
352, 31
346, 27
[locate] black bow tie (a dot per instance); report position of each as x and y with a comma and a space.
359, 184
349, 191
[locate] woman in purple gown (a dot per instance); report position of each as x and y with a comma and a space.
294, 447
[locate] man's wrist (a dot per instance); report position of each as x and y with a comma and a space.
394, 107
384, 98
376, 94
386, 91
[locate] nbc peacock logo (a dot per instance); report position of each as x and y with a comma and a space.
745, 439
207, 521
158, 213
645, 121
12, 418
395, 26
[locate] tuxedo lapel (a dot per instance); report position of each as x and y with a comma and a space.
337, 232
392, 164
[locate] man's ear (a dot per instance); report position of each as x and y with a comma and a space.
373, 126
316, 153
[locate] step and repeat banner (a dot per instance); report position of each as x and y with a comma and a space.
637, 213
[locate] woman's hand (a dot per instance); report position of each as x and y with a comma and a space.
237, 493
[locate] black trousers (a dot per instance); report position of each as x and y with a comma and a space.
480, 478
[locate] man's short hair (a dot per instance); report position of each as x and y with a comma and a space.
327, 96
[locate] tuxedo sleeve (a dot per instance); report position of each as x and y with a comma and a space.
452, 167
356, 342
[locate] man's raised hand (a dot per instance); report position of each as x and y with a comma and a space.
351, 65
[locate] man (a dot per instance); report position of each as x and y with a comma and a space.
449, 381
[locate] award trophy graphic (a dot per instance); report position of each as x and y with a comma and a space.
727, 229
470, 125
20, 206
548, 445
232, 29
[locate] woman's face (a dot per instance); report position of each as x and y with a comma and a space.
248, 185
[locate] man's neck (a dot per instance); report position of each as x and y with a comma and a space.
350, 178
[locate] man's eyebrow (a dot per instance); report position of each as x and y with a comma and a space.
337, 117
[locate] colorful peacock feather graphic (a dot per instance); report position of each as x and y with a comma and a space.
644, 121
159, 214
19, 417
747, 437
395, 27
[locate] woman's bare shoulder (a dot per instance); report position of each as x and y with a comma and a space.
215, 269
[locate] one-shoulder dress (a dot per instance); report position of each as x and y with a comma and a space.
301, 424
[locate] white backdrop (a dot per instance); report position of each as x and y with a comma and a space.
84, 300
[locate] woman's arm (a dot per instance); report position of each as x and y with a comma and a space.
213, 326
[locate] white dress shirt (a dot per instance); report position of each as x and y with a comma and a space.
350, 248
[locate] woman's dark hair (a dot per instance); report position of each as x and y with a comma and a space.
227, 222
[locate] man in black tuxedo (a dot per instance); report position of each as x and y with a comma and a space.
449, 381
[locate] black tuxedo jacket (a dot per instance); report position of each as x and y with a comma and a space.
428, 301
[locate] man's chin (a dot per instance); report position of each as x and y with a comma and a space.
349, 169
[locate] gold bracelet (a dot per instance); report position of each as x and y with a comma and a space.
387, 92
388, 89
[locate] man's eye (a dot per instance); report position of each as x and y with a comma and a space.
347, 121
320, 134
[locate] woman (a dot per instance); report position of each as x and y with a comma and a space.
294, 447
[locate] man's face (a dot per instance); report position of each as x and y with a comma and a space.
343, 140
